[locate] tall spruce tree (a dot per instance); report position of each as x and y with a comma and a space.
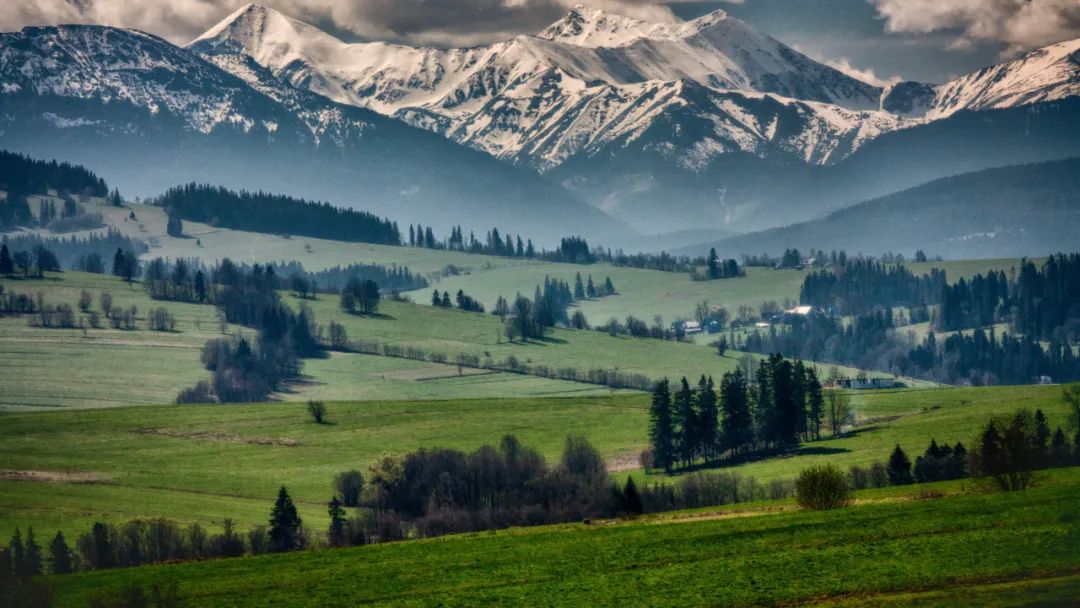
31, 565
631, 499
285, 524
899, 468
708, 419
337, 533
661, 427
60, 555
738, 422
815, 404
686, 423
7, 266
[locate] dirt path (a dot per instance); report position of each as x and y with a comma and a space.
52, 476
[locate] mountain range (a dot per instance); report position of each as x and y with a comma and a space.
974, 215
604, 125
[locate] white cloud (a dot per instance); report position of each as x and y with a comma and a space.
1020, 24
867, 75
422, 21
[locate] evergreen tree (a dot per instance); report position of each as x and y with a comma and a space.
579, 287
60, 555
1059, 449
103, 556
661, 427
436, 299
200, 286
174, 226
708, 418
31, 564
738, 423
686, 423
631, 499
815, 404
530, 251
6, 265
18, 552
713, 264
285, 524
590, 290
1042, 433
609, 287
337, 534
446, 303
899, 468
412, 236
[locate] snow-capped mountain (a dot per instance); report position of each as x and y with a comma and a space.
666, 126
1047, 74
150, 115
585, 81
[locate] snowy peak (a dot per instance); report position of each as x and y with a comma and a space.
591, 27
1047, 74
252, 27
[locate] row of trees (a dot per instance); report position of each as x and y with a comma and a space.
784, 403
33, 263
85, 253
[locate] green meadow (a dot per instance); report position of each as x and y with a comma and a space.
206, 463
966, 548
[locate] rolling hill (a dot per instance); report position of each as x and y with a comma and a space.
1024, 210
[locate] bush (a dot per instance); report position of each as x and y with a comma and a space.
822, 487
317, 409
348, 485
200, 393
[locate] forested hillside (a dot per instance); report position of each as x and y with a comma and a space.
1005, 212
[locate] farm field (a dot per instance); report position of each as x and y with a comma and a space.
205, 463
1004, 549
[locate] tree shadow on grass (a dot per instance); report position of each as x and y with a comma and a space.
375, 315
803, 450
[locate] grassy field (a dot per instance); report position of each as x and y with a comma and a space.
642, 293
205, 463
987, 549
140, 366
109, 367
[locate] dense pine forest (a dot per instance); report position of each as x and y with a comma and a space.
1040, 305
25, 175
276, 214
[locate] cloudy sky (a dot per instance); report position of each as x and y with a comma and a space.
879, 40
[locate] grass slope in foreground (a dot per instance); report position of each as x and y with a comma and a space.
1009, 549
205, 463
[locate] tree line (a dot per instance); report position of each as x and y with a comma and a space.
863, 285
275, 214
89, 253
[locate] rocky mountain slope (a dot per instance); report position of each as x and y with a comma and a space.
150, 115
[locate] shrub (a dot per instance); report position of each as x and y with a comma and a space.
822, 487
348, 485
200, 393
317, 409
